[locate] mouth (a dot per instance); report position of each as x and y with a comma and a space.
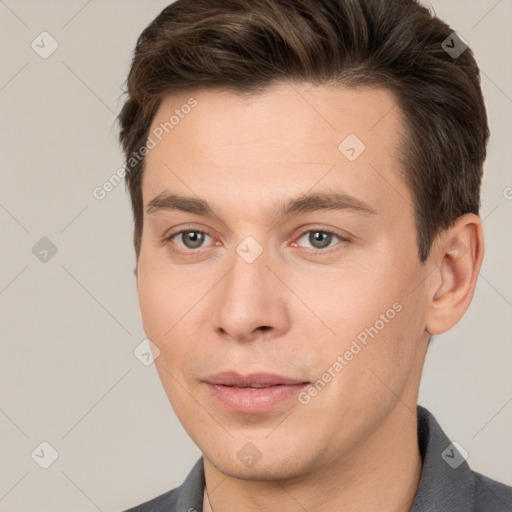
255, 393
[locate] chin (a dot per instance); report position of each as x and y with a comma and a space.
261, 459
273, 468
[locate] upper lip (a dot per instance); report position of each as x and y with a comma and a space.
252, 379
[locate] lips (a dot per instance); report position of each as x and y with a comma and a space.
256, 380
254, 393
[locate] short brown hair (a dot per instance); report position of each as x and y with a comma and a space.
248, 45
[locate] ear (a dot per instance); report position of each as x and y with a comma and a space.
457, 254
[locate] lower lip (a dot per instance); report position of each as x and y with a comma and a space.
254, 400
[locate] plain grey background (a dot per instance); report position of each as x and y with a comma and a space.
70, 324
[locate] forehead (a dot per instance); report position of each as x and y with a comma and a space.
285, 139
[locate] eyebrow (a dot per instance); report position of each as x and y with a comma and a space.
305, 203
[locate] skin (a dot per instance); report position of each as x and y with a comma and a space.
354, 443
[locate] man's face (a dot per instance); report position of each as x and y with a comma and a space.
332, 298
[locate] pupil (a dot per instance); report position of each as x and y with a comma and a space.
320, 236
196, 239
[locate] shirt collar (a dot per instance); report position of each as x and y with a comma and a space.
446, 482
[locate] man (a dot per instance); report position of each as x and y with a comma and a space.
305, 180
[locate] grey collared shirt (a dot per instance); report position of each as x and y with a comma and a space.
447, 483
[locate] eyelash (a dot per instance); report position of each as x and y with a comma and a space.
193, 252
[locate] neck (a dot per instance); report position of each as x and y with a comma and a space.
380, 474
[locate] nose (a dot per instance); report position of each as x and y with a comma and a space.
251, 301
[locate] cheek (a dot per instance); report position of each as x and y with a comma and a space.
163, 300
170, 305
373, 324
153, 306
348, 301
164, 310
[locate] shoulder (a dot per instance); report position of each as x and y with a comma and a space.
491, 495
187, 497
447, 481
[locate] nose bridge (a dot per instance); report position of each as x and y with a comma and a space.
248, 297
249, 275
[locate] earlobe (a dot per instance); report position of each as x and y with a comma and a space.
458, 254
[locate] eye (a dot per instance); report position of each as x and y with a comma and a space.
320, 239
190, 239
